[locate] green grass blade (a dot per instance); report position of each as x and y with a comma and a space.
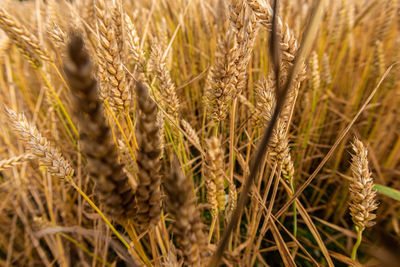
387, 191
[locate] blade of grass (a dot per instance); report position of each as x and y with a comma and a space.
387, 191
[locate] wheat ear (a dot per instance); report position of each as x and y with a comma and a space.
147, 159
112, 183
265, 101
188, 228
191, 132
245, 30
26, 42
221, 80
280, 151
215, 175
362, 195
133, 44
112, 71
288, 46
39, 146
362, 202
167, 88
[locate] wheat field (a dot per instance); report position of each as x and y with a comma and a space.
199, 133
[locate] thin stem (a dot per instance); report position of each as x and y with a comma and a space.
294, 211
357, 244
210, 234
58, 100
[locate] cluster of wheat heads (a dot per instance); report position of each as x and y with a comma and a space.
129, 129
